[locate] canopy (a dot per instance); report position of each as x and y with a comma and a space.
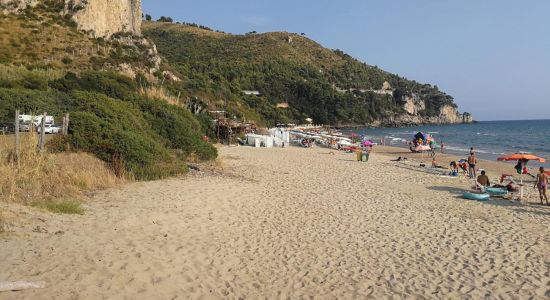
421, 148
522, 156
367, 143
522, 159
423, 138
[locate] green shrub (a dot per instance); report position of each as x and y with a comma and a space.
144, 138
59, 143
109, 83
67, 60
63, 207
178, 126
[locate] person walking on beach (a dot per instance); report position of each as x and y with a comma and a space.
472, 161
542, 184
432, 149
442, 147
472, 151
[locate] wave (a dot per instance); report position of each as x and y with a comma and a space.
467, 150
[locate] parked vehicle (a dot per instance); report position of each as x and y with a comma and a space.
6, 128
36, 120
49, 129
26, 126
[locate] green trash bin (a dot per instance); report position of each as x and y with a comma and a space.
365, 157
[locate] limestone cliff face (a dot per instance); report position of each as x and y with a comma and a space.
102, 18
447, 115
414, 106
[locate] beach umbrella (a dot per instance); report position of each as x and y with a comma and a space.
421, 149
522, 158
368, 143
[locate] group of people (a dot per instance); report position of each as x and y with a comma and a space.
467, 166
469, 169
541, 182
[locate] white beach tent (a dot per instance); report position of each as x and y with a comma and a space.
344, 143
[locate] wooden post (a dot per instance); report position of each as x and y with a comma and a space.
67, 120
43, 132
17, 136
64, 129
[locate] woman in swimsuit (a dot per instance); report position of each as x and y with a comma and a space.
541, 184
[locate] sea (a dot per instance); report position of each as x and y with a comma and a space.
490, 139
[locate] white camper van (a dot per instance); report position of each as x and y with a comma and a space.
27, 122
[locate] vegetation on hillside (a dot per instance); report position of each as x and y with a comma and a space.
42, 36
286, 68
149, 138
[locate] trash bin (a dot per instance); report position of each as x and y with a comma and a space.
365, 157
359, 154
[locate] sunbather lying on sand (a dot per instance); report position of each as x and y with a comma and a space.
435, 165
399, 159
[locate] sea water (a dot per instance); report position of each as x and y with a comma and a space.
490, 139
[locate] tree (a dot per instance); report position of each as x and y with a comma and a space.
165, 19
148, 18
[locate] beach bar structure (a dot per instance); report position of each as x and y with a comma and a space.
227, 129
256, 140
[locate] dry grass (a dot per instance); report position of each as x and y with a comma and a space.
13, 73
52, 181
2, 223
160, 93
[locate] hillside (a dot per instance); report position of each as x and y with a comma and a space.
297, 79
48, 65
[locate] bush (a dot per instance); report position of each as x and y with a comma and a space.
141, 155
178, 126
137, 136
58, 144
109, 83
66, 60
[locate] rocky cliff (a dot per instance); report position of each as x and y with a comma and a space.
415, 114
101, 18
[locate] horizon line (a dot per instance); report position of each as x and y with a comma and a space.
507, 120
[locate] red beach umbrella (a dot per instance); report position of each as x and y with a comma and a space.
523, 158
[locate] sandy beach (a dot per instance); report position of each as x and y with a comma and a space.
287, 223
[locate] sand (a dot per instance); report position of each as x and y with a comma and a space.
287, 223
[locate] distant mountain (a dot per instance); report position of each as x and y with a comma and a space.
282, 77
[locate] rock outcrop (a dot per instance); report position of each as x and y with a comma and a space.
447, 115
101, 18
414, 106
104, 18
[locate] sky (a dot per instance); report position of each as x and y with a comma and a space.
492, 56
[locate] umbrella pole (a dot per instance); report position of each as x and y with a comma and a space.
521, 183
